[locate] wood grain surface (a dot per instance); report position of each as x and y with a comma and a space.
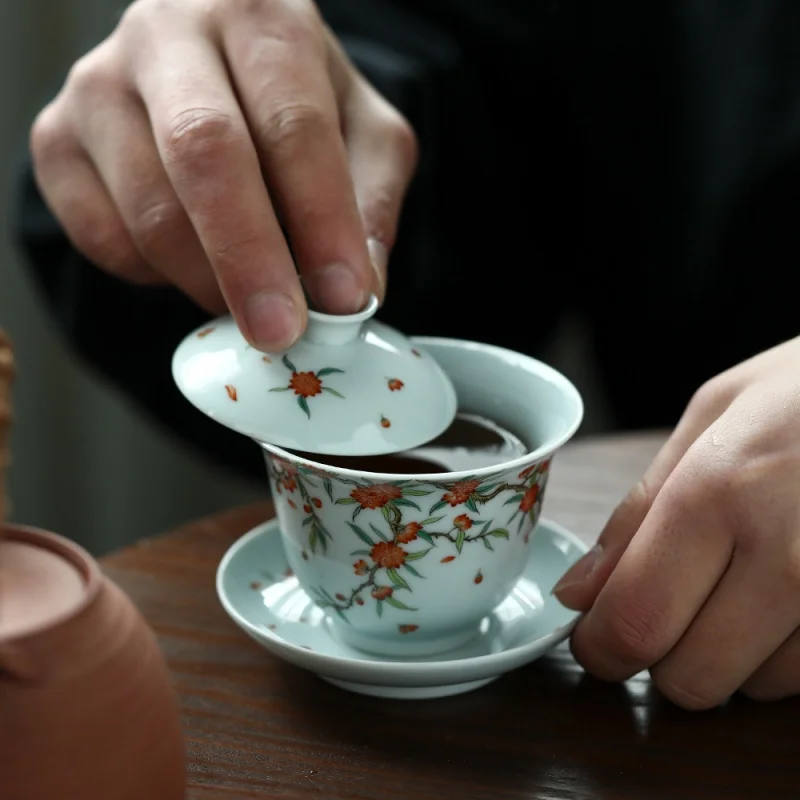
259, 728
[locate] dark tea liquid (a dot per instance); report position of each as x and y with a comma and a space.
471, 442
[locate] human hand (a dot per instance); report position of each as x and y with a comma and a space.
177, 145
697, 573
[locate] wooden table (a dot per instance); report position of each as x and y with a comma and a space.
259, 728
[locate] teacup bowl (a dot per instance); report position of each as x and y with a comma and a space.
409, 565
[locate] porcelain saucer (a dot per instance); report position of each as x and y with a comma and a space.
262, 596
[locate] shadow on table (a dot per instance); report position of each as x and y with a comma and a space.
550, 731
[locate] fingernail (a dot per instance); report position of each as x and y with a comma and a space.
273, 320
337, 290
379, 256
581, 570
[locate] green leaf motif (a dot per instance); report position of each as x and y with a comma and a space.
397, 579
326, 482
431, 520
307, 521
412, 570
379, 608
361, 535
387, 515
288, 364
378, 533
332, 391
485, 527
499, 533
360, 553
416, 492
303, 403
328, 371
486, 488
470, 504
460, 540
312, 540
487, 544
393, 601
515, 499
418, 555
401, 501
426, 537
436, 506
280, 389
345, 501
357, 511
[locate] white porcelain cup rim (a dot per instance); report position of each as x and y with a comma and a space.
545, 448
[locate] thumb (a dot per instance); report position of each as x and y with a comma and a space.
580, 585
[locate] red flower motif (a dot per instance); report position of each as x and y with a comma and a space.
231, 390
407, 628
289, 484
305, 384
478, 578
388, 555
376, 496
385, 423
545, 465
395, 385
462, 522
203, 333
409, 533
382, 592
359, 601
317, 502
291, 503
527, 471
307, 508
529, 498
460, 492
361, 567
447, 559
340, 597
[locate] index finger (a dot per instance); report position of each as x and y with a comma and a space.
204, 143
670, 568
279, 62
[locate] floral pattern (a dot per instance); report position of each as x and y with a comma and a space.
307, 384
398, 527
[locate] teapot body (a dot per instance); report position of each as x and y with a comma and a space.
86, 704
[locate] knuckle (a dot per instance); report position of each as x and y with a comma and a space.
91, 78
711, 398
48, 135
292, 123
637, 635
197, 134
295, 21
405, 139
689, 697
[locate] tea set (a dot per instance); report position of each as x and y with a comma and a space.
423, 574
404, 584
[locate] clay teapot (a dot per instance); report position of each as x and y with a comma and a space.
86, 707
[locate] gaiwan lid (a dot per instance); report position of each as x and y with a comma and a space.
349, 386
